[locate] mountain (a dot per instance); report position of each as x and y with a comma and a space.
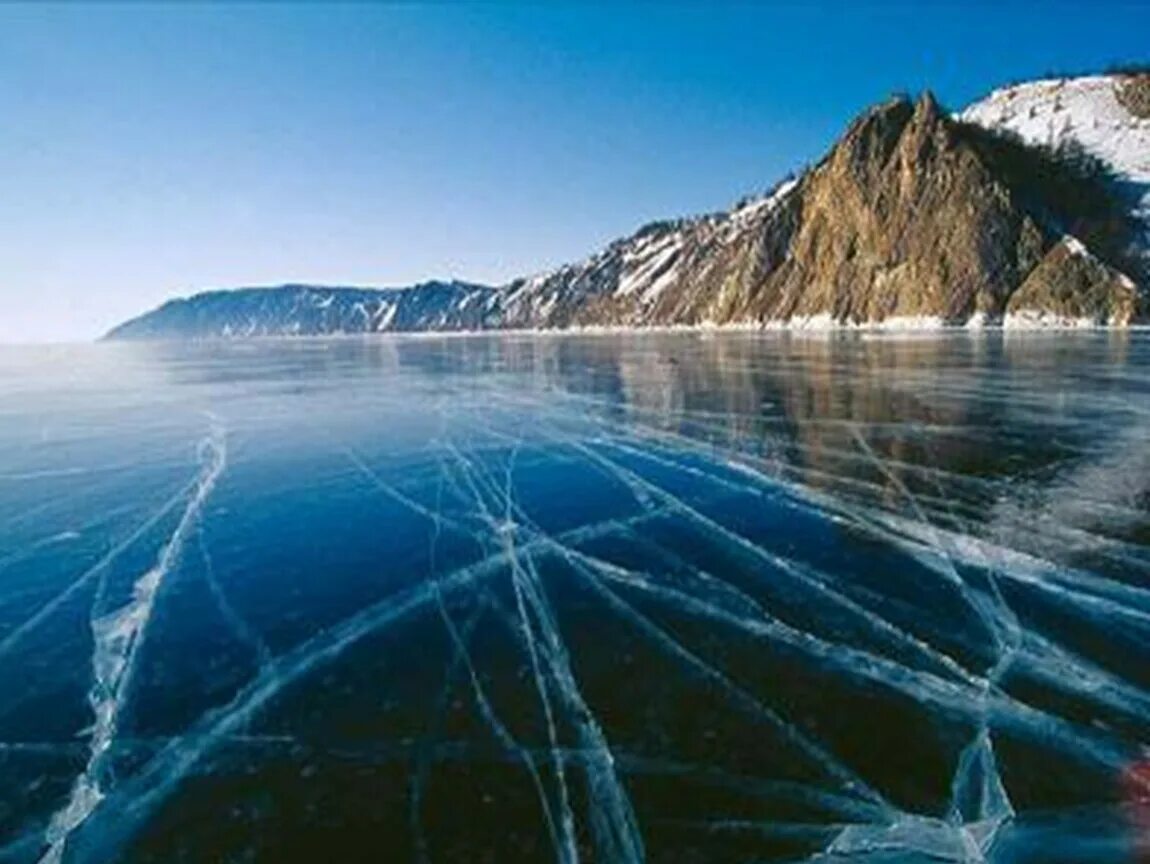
1025, 209
297, 310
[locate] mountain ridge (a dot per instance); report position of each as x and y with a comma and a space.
915, 216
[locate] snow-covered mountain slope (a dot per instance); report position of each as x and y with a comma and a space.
298, 310
1087, 111
659, 275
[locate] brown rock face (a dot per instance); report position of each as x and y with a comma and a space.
1133, 91
1071, 284
903, 219
912, 214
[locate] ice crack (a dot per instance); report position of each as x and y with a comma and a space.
117, 638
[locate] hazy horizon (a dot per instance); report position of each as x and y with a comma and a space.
157, 151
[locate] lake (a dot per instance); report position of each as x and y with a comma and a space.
678, 597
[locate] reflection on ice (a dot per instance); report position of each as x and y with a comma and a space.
668, 599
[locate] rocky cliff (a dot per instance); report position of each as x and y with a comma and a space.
915, 217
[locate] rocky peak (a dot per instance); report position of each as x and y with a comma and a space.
903, 221
870, 140
927, 109
898, 131
927, 133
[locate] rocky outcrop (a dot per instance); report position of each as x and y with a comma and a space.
903, 220
1072, 287
1133, 91
914, 216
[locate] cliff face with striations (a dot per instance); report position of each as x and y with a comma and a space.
914, 217
903, 220
1072, 284
910, 218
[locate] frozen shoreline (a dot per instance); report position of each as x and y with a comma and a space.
1025, 323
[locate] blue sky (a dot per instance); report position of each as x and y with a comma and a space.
150, 151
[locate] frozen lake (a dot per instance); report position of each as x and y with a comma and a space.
668, 598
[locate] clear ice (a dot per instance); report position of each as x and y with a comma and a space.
662, 598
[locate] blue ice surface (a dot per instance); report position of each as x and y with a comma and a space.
576, 598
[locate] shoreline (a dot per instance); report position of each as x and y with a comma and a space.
819, 325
